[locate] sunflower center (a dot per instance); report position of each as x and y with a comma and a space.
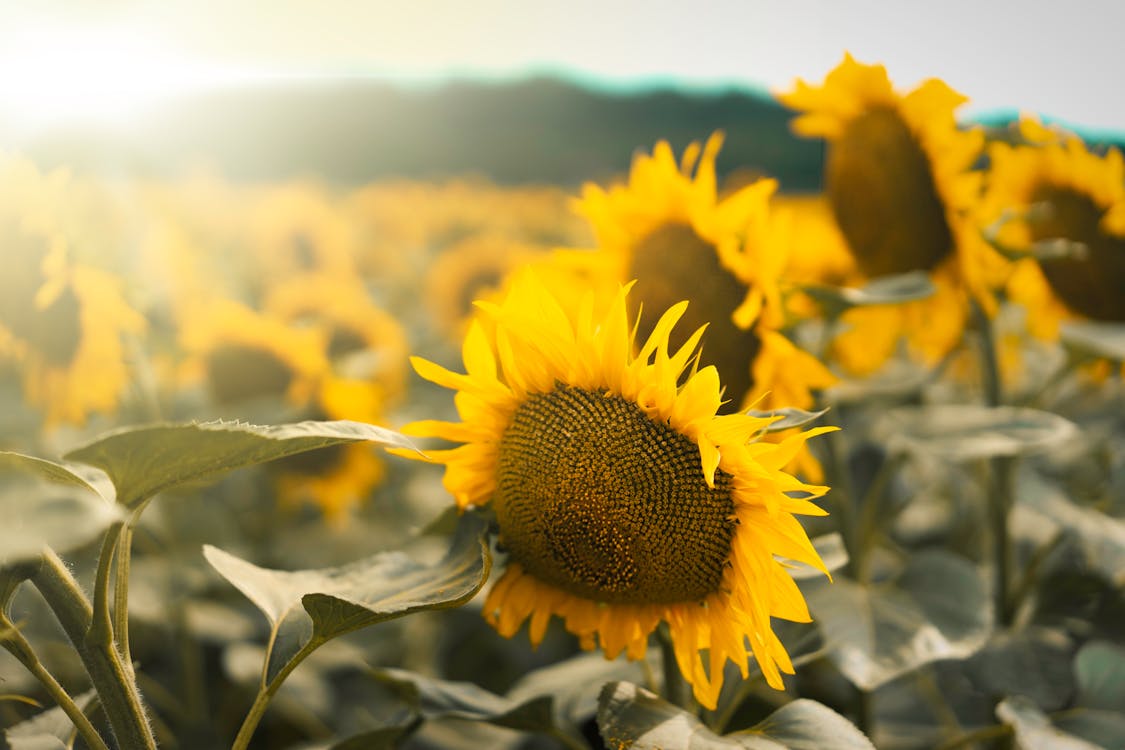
237, 373
1092, 285
881, 186
599, 500
673, 263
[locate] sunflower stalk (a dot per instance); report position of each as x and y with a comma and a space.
116, 686
1000, 494
19, 647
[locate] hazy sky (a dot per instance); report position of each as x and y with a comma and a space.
1060, 59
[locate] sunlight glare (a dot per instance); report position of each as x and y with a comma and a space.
106, 76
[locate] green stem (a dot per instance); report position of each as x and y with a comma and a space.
1031, 573
990, 365
675, 691
266, 692
842, 497
117, 690
121, 594
20, 648
867, 533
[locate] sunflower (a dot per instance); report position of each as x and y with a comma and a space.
64, 323
668, 229
900, 183
242, 355
365, 343
621, 497
1051, 187
471, 269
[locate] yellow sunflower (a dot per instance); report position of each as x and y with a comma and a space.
469, 270
365, 343
621, 497
668, 229
1053, 188
900, 183
65, 324
242, 355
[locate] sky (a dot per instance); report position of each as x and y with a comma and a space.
104, 60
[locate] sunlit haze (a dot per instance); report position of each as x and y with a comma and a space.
63, 61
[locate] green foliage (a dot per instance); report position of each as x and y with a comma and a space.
143, 461
964, 432
47, 730
1093, 339
885, 290
45, 504
937, 608
630, 716
308, 607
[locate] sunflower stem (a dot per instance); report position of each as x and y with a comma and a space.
674, 684
19, 647
1000, 473
266, 692
93, 640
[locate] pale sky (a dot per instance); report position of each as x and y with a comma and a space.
58, 59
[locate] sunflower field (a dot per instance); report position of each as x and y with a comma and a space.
675, 459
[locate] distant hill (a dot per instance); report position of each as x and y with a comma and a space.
353, 131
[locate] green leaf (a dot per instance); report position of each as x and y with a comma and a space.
445, 699
1034, 662
575, 683
143, 461
44, 504
377, 739
48, 730
790, 417
630, 716
1033, 730
885, 290
1101, 536
960, 432
1095, 339
938, 608
302, 605
1099, 668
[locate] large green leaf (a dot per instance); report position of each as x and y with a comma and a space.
43, 503
302, 605
1033, 730
576, 683
630, 716
937, 608
1099, 668
1101, 536
143, 461
445, 699
1097, 339
885, 290
49, 730
1034, 662
960, 432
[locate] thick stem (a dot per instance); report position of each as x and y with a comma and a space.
117, 690
867, 533
990, 364
121, 594
20, 648
842, 499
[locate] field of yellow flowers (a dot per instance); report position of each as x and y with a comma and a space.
675, 460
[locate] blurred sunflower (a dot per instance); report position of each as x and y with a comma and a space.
365, 343
64, 323
469, 270
244, 356
668, 229
1053, 188
621, 497
295, 229
900, 184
